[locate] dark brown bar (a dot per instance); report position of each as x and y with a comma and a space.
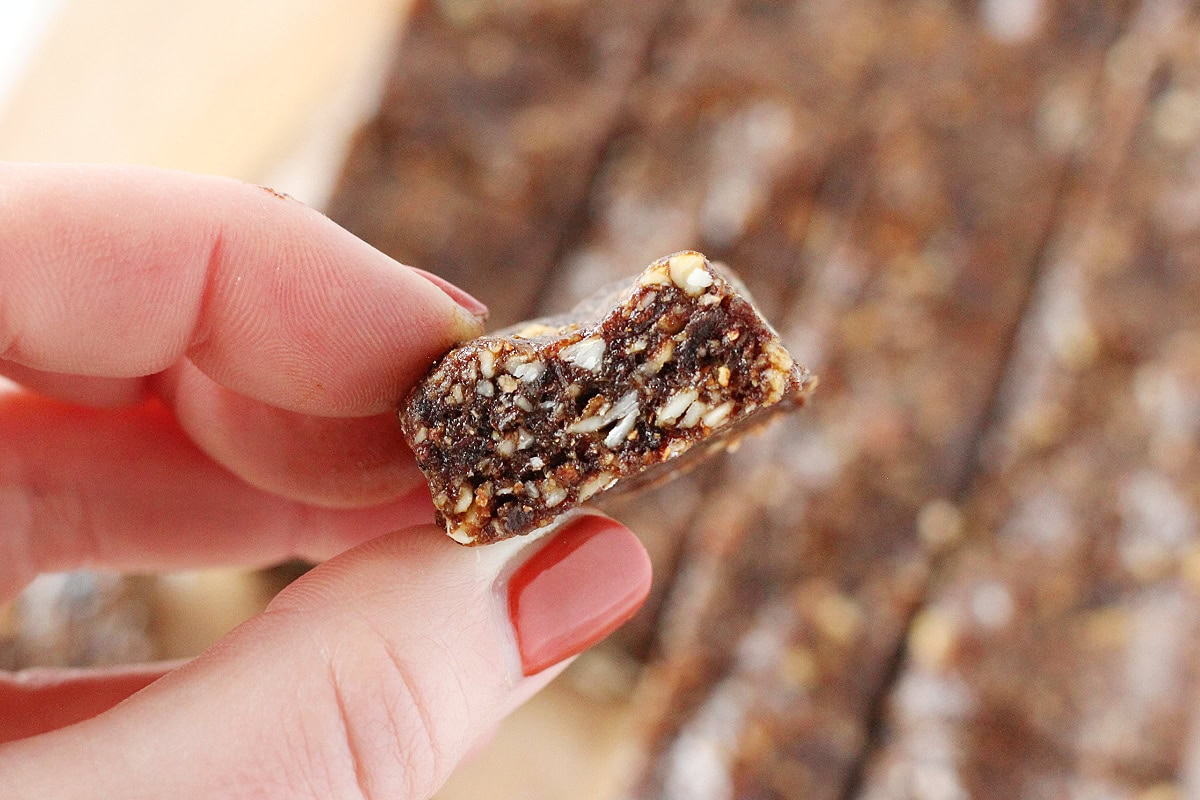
748, 105
913, 263
505, 235
80, 619
1059, 655
513, 429
487, 136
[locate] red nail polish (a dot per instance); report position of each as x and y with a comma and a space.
576, 590
456, 294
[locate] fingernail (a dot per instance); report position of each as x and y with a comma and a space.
577, 589
456, 294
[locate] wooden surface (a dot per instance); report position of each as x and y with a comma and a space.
223, 87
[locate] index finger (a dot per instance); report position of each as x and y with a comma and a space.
122, 271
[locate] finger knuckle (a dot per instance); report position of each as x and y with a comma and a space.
389, 733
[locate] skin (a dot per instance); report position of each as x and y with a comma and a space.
209, 371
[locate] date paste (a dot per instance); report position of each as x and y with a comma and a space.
514, 428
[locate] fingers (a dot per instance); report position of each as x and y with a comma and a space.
40, 700
82, 389
370, 677
346, 462
121, 271
332, 461
127, 490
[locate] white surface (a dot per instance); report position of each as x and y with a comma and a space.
22, 25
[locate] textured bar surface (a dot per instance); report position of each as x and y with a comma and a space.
913, 263
515, 428
1059, 654
488, 132
726, 155
501, 239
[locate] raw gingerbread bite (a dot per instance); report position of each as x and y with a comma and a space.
514, 428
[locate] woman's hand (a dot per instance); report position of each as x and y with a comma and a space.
210, 373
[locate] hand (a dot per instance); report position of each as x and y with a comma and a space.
209, 373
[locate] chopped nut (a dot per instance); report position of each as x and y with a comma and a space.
660, 358
507, 383
723, 375
655, 276
485, 388
689, 272
420, 435
465, 496
775, 384
718, 416
596, 483
621, 430
587, 424
554, 493
524, 439
598, 405
528, 372
506, 447
487, 363
673, 319
780, 359
522, 402
461, 535
586, 353
534, 330
536, 462
675, 406
693, 414
675, 447
598, 414
456, 394
628, 403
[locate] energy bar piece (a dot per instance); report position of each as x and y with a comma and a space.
514, 428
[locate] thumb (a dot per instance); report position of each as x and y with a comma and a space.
370, 677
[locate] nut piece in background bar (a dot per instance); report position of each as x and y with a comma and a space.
514, 428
